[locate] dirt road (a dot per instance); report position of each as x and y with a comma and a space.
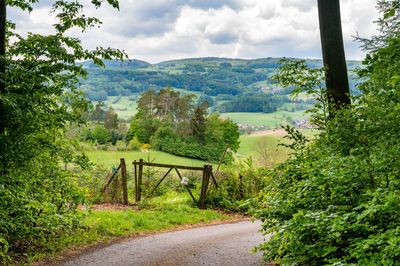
225, 244
275, 132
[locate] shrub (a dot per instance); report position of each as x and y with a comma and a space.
336, 201
121, 145
239, 186
101, 135
134, 144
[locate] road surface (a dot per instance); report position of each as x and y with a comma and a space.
224, 244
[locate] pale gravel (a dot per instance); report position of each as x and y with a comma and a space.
224, 244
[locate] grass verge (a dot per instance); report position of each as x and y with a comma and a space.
101, 226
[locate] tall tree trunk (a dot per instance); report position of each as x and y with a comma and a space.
2, 28
2, 84
337, 82
2, 63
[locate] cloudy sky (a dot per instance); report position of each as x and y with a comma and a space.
159, 30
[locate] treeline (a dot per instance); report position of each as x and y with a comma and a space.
173, 123
265, 103
114, 82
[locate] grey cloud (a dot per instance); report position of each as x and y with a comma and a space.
223, 38
148, 28
207, 4
267, 13
303, 5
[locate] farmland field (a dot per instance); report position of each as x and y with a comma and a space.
271, 120
111, 158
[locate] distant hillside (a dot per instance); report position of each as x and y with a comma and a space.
218, 80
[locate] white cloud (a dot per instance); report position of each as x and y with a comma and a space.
159, 30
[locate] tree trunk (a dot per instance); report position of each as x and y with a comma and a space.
2, 28
2, 84
2, 62
337, 83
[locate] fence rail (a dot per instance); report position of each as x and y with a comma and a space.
138, 165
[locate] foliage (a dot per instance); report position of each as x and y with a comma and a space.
100, 135
171, 123
39, 95
111, 120
265, 103
303, 78
337, 200
134, 144
239, 187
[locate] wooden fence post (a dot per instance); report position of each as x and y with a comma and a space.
140, 179
124, 181
136, 183
204, 186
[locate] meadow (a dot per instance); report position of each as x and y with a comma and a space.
250, 146
271, 120
112, 158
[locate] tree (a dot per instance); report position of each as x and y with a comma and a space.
98, 112
147, 102
198, 123
335, 201
337, 83
111, 119
166, 102
39, 95
101, 135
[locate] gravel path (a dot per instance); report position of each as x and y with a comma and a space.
224, 244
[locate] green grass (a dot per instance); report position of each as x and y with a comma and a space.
250, 146
271, 120
112, 158
166, 212
247, 143
123, 106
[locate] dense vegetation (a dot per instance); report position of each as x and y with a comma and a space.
174, 124
265, 103
38, 97
336, 201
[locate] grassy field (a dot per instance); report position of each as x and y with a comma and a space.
112, 158
267, 146
124, 106
248, 147
262, 149
271, 120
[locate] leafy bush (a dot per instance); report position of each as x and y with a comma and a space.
336, 201
239, 186
121, 145
101, 135
39, 97
134, 144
